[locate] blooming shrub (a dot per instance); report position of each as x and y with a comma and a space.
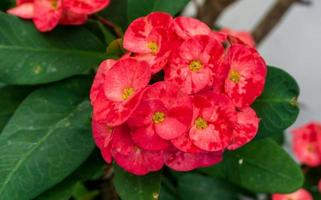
168, 95
187, 120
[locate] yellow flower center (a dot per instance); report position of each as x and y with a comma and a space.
54, 4
127, 92
310, 148
153, 47
200, 123
158, 117
235, 76
195, 66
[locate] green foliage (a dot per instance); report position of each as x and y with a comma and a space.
46, 139
65, 189
261, 166
277, 106
195, 186
131, 187
42, 58
10, 98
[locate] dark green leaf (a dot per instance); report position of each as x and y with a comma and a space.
261, 166
138, 8
64, 190
116, 12
6, 4
131, 187
277, 106
195, 186
45, 140
10, 98
30, 57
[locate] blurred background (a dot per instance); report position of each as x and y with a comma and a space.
293, 44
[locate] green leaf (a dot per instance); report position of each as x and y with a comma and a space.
45, 140
261, 166
116, 12
277, 106
64, 190
131, 187
194, 186
115, 48
30, 57
6, 4
10, 98
138, 8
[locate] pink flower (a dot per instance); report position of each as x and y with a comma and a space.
192, 63
246, 77
242, 37
117, 90
131, 157
306, 144
300, 194
164, 113
214, 118
149, 39
47, 14
103, 136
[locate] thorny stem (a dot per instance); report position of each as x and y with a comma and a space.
111, 25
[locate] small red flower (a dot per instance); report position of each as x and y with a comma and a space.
245, 129
116, 92
47, 14
131, 157
149, 39
192, 63
300, 194
306, 144
212, 126
246, 77
164, 113
182, 161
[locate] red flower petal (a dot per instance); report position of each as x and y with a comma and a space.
85, 6
300, 194
70, 18
181, 161
306, 144
213, 122
246, 78
25, 11
102, 134
247, 125
185, 144
19, 2
147, 139
244, 36
186, 27
47, 14
132, 158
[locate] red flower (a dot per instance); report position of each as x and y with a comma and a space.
131, 157
300, 194
306, 144
103, 136
246, 77
47, 14
164, 113
192, 63
149, 39
181, 161
116, 92
214, 117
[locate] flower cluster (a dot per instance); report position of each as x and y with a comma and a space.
181, 96
306, 144
46, 14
